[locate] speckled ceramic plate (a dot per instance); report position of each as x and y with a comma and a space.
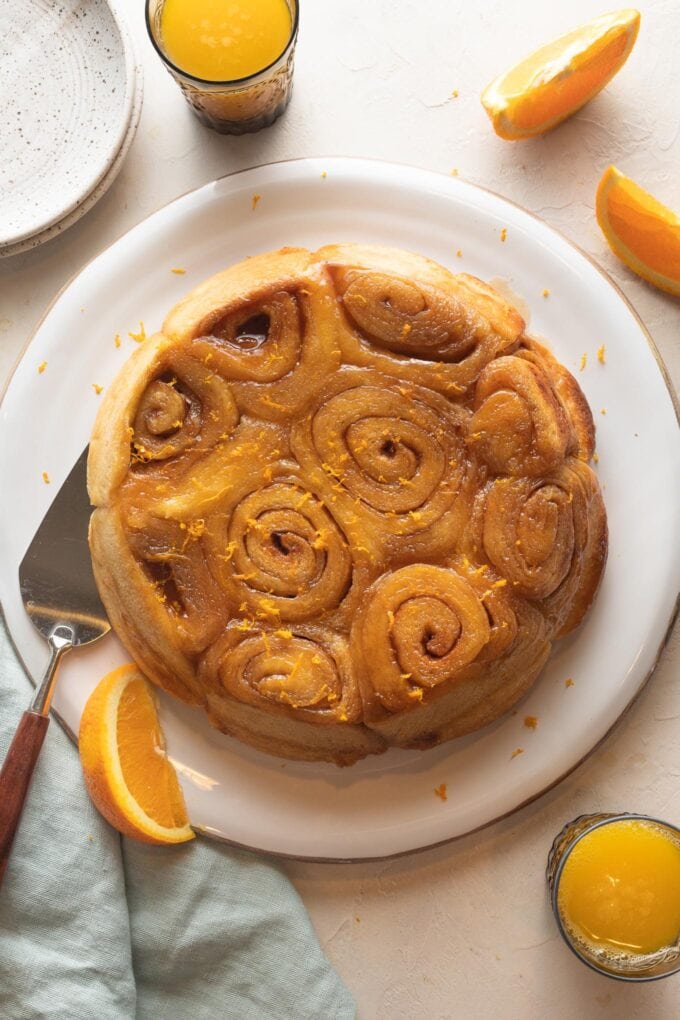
69, 86
102, 186
383, 805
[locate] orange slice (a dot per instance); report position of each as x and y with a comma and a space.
643, 233
126, 769
559, 78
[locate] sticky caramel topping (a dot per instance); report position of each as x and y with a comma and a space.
350, 489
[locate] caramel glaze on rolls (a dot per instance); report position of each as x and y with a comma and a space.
343, 502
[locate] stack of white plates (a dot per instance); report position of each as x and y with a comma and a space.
71, 95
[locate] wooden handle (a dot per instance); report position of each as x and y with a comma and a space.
15, 778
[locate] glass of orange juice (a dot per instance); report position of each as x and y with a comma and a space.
233, 59
614, 883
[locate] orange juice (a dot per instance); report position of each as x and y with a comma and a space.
619, 891
224, 40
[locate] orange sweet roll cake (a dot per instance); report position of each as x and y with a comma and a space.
343, 502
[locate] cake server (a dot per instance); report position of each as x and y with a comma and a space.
60, 596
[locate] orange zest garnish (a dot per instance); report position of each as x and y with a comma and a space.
558, 79
440, 791
126, 769
140, 337
641, 231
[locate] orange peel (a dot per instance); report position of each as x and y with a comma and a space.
125, 766
641, 231
558, 79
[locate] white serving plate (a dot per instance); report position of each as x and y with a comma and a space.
71, 100
383, 805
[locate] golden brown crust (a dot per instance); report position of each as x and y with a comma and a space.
343, 502
292, 738
291, 688
109, 456
570, 395
234, 288
143, 625
410, 318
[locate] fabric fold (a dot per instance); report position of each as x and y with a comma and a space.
95, 926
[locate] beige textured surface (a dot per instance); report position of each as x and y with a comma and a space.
463, 931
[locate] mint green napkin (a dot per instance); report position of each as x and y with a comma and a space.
96, 927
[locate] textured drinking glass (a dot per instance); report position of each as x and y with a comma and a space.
242, 105
623, 966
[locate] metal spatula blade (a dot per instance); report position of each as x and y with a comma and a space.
55, 576
60, 596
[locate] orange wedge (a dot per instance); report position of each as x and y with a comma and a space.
126, 769
643, 233
558, 79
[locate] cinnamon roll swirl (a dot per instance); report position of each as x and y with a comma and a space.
570, 395
343, 502
168, 411
279, 554
391, 460
421, 627
289, 688
519, 426
410, 318
269, 326
548, 538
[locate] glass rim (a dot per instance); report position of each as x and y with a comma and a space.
228, 81
622, 817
